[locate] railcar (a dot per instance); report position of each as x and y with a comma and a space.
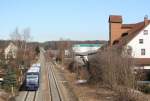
36, 65
32, 78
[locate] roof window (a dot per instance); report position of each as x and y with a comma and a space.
124, 34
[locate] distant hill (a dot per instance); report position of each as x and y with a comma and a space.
54, 44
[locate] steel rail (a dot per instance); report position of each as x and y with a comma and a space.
34, 99
52, 74
26, 96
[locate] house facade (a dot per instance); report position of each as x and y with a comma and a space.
11, 51
135, 37
140, 44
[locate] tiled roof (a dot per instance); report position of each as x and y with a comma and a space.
115, 18
134, 30
128, 25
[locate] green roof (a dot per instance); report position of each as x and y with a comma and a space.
87, 45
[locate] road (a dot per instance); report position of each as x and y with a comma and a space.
48, 90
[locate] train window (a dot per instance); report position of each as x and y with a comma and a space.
32, 76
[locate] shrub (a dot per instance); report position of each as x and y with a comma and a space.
112, 68
70, 67
10, 79
128, 95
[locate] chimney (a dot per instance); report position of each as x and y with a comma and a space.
115, 23
146, 20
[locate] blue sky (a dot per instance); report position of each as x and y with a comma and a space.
68, 19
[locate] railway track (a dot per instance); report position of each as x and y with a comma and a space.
55, 91
49, 89
30, 96
27, 96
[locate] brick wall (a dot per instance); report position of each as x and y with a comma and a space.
115, 28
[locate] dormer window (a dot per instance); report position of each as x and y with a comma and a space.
115, 42
140, 41
124, 34
145, 32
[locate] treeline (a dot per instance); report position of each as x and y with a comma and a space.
55, 44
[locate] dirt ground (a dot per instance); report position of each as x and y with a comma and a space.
86, 92
4, 96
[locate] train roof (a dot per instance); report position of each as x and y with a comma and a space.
33, 65
33, 70
36, 65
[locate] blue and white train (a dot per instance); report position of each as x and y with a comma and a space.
33, 77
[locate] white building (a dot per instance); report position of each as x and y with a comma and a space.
85, 49
134, 37
11, 51
140, 44
82, 51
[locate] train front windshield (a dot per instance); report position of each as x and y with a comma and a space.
32, 75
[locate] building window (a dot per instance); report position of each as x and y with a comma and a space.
145, 32
141, 41
142, 51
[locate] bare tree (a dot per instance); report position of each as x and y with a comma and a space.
114, 68
61, 49
16, 37
26, 37
19, 38
26, 34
